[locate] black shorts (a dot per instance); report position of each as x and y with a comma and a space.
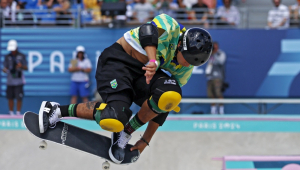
120, 77
117, 71
15, 92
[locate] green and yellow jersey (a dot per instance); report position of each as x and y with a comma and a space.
167, 44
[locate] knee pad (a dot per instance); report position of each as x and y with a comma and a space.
169, 101
111, 118
166, 96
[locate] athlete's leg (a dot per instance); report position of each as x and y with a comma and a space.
73, 99
74, 92
218, 94
211, 94
19, 106
84, 91
10, 95
11, 105
165, 97
19, 96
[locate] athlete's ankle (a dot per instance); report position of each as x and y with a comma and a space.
133, 125
68, 110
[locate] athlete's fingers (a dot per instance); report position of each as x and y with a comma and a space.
133, 148
139, 145
149, 73
149, 76
149, 68
148, 79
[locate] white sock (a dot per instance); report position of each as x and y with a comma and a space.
221, 110
11, 112
213, 110
18, 113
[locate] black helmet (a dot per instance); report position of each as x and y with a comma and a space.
196, 46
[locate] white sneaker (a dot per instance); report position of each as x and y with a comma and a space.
221, 110
49, 115
118, 145
11, 113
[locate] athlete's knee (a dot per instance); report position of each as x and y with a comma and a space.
166, 96
113, 116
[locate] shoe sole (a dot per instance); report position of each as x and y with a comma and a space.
110, 152
41, 114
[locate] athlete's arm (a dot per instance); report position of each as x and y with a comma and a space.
150, 68
87, 70
148, 36
151, 129
149, 40
74, 69
4, 70
5, 65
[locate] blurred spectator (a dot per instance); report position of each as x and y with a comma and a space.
200, 12
214, 4
278, 17
228, 14
143, 11
62, 12
294, 13
129, 9
25, 17
185, 7
14, 64
167, 7
188, 3
181, 14
94, 6
29, 4
80, 69
8, 8
153, 2
50, 3
215, 74
5, 11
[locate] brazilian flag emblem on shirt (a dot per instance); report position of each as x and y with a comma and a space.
172, 46
114, 84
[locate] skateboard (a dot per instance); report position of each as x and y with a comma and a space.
80, 139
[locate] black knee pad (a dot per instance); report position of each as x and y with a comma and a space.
165, 95
113, 116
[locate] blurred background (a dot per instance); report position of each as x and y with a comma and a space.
252, 124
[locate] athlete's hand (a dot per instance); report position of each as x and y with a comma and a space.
140, 145
150, 69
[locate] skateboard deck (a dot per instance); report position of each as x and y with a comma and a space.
80, 139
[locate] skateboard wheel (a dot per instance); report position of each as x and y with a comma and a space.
43, 145
105, 165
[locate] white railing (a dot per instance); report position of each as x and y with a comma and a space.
262, 103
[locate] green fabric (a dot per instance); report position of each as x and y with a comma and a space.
134, 123
71, 110
155, 107
97, 116
167, 44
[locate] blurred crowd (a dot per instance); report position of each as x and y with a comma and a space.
27, 12
204, 12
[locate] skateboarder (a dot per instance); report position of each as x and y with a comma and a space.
130, 71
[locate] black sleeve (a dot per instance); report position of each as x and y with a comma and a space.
161, 118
